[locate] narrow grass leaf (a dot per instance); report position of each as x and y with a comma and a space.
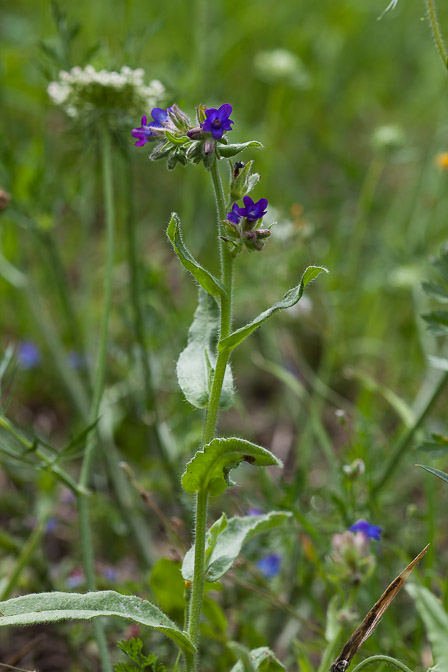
196, 363
227, 546
290, 299
205, 279
209, 469
436, 472
57, 606
435, 619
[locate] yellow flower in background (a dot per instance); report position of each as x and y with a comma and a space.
442, 161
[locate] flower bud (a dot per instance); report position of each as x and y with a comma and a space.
243, 180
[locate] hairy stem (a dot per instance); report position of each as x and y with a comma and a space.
210, 420
436, 32
98, 389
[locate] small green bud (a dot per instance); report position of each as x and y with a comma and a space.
243, 180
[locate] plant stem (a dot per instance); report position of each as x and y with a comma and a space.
382, 659
435, 29
139, 332
98, 389
226, 261
403, 443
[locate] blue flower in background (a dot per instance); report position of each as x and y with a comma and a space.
218, 120
371, 531
254, 511
253, 211
270, 565
145, 132
28, 355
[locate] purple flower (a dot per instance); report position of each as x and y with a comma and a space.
145, 133
253, 510
218, 120
234, 216
270, 565
370, 531
253, 211
110, 574
28, 355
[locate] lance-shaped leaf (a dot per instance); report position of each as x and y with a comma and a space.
196, 363
207, 281
436, 472
262, 659
435, 619
290, 299
228, 543
209, 469
227, 151
57, 606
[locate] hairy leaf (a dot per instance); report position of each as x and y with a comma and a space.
435, 619
227, 151
290, 299
209, 469
228, 544
207, 281
57, 606
196, 363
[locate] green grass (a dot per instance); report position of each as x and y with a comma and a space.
372, 217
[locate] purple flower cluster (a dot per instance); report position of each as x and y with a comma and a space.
145, 132
218, 121
251, 211
370, 531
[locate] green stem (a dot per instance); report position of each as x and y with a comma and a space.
139, 332
98, 389
226, 260
382, 659
436, 32
25, 557
403, 443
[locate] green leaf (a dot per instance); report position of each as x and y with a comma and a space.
133, 648
290, 299
435, 291
227, 151
436, 472
196, 363
435, 619
262, 659
209, 469
207, 281
54, 607
168, 587
437, 321
212, 537
228, 544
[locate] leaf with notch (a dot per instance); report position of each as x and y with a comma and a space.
290, 299
197, 361
57, 606
209, 469
206, 280
228, 544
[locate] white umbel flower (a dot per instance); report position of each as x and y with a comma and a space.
84, 90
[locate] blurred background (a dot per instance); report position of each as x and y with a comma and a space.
352, 113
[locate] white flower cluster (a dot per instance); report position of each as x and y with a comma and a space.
85, 89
